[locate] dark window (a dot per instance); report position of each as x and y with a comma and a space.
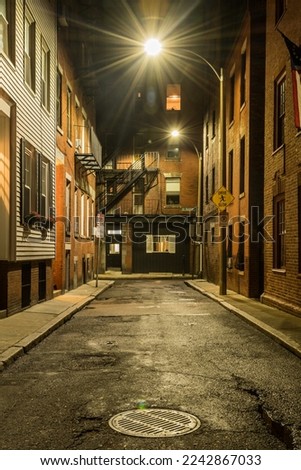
243, 78
213, 124
207, 135
59, 80
69, 115
36, 184
242, 166
230, 171
7, 28
26, 285
279, 232
279, 111
230, 241
207, 189
213, 181
280, 6
173, 153
240, 260
231, 106
42, 281
29, 50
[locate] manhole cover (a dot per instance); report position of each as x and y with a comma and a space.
154, 422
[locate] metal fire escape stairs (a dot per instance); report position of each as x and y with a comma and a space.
118, 183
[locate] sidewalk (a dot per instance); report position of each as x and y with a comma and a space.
22, 331
283, 327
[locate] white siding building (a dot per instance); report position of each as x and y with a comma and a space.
27, 151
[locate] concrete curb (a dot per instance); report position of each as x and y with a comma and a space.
276, 335
29, 341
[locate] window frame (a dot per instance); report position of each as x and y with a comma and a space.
8, 20
172, 195
45, 74
173, 97
279, 232
29, 50
161, 244
279, 110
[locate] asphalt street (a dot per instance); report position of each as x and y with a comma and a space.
161, 344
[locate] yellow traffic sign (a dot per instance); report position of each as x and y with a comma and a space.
222, 198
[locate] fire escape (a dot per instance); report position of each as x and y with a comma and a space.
117, 183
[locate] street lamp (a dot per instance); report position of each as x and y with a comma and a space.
198, 251
153, 47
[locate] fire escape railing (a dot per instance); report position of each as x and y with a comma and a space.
124, 181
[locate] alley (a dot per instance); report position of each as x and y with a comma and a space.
157, 344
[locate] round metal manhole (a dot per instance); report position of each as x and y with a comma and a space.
154, 422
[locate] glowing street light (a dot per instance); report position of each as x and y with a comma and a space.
153, 47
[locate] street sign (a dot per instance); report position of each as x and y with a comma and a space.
222, 198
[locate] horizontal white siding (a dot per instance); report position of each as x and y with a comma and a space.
33, 122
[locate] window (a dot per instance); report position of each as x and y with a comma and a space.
36, 183
280, 6
76, 211
240, 259
29, 50
242, 166
230, 171
45, 186
172, 191
231, 97
69, 122
173, 153
243, 78
45, 75
82, 215
206, 189
213, 124
279, 111
7, 28
29, 162
68, 207
207, 135
230, 241
160, 243
213, 180
59, 81
173, 98
279, 232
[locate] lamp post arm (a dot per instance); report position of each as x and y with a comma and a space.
218, 76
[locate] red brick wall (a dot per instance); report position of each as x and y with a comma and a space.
282, 167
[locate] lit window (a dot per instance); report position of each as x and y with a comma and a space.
173, 98
172, 191
160, 243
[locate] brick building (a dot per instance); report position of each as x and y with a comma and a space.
27, 150
78, 157
244, 75
282, 176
